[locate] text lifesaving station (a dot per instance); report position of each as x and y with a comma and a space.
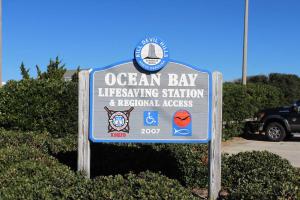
146, 88
150, 99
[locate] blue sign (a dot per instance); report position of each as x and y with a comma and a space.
160, 101
152, 54
150, 118
182, 123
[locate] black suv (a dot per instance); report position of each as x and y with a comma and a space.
276, 123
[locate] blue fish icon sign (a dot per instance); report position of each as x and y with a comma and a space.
150, 118
182, 123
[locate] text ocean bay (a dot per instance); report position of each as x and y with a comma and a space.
135, 89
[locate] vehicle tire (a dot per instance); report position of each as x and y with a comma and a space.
275, 132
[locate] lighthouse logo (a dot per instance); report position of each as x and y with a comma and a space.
151, 54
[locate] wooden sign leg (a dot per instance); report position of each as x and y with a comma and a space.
84, 152
215, 143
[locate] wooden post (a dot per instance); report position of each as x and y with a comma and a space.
215, 143
84, 152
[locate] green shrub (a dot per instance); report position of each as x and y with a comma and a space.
184, 162
259, 175
51, 105
177, 161
27, 173
30, 139
38, 179
146, 185
11, 155
232, 129
39, 105
62, 145
284, 81
298, 182
181, 162
37, 175
281, 81
242, 102
43, 141
192, 163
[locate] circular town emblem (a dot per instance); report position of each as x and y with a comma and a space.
118, 121
151, 54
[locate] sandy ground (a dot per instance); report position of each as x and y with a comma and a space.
289, 149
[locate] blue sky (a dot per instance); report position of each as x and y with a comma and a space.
204, 33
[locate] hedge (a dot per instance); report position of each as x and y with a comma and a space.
39, 105
31, 139
38, 179
250, 175
243, 102
145, 185
11, 155
27, 173
41, 140
281, 81
181, 162
28, 169
51, 105
191, 163
259, 175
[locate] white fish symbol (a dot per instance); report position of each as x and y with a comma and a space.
181, 131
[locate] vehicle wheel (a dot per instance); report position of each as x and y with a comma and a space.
275, 132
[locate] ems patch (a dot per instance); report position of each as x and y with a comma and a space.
118, 122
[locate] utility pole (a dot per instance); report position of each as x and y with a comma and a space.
244, 73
